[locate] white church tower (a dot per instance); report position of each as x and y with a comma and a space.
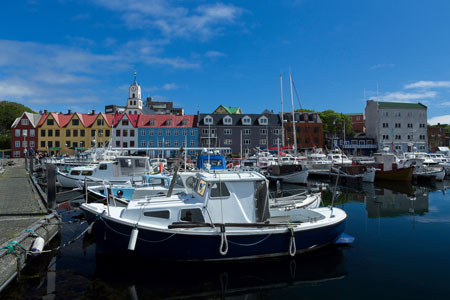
134, 103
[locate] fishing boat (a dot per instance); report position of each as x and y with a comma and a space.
120, 170
226, 217
292, 173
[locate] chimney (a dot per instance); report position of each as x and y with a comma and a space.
93, 112
69, 112
45, 111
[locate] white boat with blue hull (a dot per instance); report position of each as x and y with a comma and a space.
226, 217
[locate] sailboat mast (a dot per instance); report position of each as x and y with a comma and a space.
282, 112
293, 116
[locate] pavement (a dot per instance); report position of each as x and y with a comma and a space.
19, 203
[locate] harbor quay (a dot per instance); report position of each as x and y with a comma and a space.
24, 217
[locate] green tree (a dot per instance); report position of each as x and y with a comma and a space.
333, 123
9, 111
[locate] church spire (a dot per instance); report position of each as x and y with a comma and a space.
135, 82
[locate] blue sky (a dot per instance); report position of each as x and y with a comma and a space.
80, 54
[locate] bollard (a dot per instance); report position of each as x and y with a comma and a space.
51, 186
25, 158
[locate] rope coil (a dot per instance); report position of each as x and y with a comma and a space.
223, 250
292, 246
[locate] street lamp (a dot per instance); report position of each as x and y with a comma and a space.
24, 133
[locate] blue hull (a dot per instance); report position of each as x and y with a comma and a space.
112, 237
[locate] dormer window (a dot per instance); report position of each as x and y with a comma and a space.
227, 120
184, 122
169, 122
246, 120
208, 120
125, 122
152, 122
263, 121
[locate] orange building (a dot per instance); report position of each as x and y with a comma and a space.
358, 122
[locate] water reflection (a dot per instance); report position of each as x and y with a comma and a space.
143, 280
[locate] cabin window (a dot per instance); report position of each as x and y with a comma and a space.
161, 214
219, 190
192, 215
87, 173
74, 172
191, 181
103, 166
201, 186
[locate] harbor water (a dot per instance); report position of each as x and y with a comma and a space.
401, 251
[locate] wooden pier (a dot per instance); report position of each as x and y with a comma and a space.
23, 217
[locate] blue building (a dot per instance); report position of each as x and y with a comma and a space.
167, 131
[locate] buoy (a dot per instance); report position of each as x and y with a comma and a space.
133, 238
160, 167
38, 245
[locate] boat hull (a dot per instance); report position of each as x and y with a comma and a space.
404, 174
167, 245
300, 177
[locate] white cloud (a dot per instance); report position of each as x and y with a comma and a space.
12, 88
173, 20
381, 66
214, 54
445, 119
427, 84
407, 97
169, 86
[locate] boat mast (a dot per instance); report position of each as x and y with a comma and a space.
293, 116
282, 113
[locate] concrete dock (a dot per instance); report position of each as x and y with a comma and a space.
23, 216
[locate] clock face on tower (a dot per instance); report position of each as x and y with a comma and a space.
133, 88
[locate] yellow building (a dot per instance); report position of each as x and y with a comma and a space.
71, 132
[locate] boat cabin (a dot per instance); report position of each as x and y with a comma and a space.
214, 162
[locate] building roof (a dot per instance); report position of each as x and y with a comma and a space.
134, 119
354, 114
33, 118
229, 109
161, 121
400, 105
236, 119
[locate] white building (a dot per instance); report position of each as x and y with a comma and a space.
399, 126
134, 102
125, 131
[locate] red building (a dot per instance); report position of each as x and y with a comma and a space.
24, 135
308, 128
358, 122
436, 138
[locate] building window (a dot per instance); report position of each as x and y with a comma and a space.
410, 125
385, 114
168, 143
42, 132
246, 131
385, 125
184, 132
125, 122
131, 143
227, 120
262, 141
131, 132
25, 122
152, 122
247, 142
263, 121
246, 120
50, 144
192, 143
125, 145
398, 125
18, 132
175, 132
31, 144
50, 122
57, 144
117, 132
143, 143
117, 143
263, 131
205, 131
107, 132
276, 131
152, 143
227, 131
175, 143
17, 144
385, 136
184, 122
100, 122
410, 137
208, 120
160, 132
143, 132
67, 144
75, 144
42, 144
422, 137
75, 132
125, 132
67, 132
397, 114
192, 132
168, 132
227, 142
75, 122
316, 129
152, 133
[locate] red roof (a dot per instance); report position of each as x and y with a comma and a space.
42, 120
134, 119
161, 121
